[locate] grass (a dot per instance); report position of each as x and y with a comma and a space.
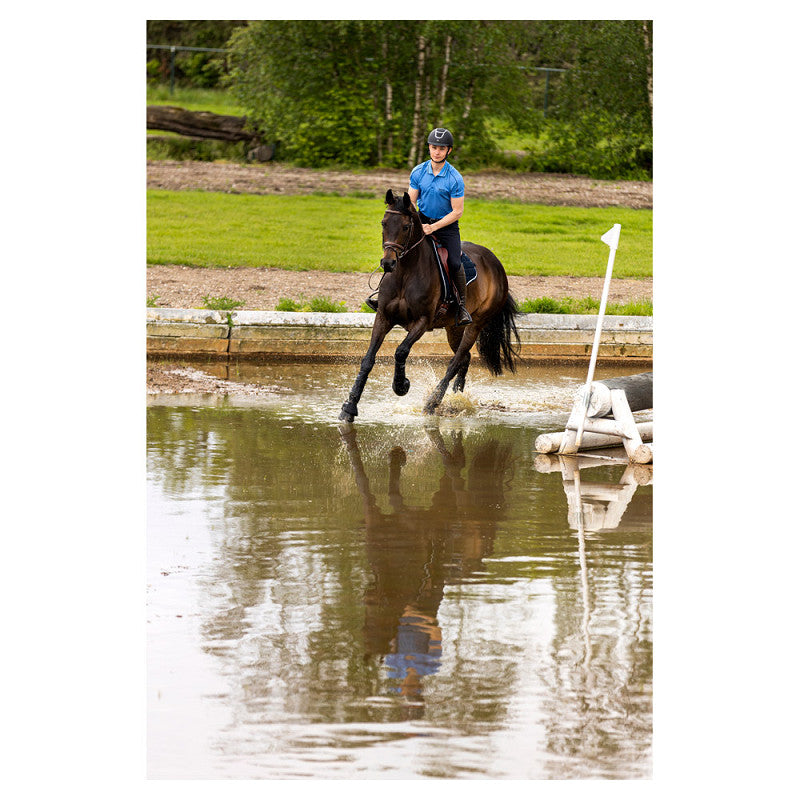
342, 234
586, 305
221, 303
215, 100
324, 304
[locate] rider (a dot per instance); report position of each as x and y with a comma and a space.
439, 187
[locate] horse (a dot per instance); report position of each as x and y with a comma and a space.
410, 296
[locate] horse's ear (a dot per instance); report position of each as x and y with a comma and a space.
406, 200
389, 197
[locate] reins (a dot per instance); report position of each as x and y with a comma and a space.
397, 248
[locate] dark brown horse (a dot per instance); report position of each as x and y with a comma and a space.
410, 296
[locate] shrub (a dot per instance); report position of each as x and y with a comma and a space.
287, 304
324, 304
221, 303
327, 305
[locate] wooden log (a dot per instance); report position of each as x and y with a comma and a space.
638, 392
199, 124
550, 442
643, 454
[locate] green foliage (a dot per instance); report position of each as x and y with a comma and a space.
342, 234
221, 303
586, 305
323, 304
192, 68
365, 309
287, 304
151, 300
354, 92
601, 121
347, 92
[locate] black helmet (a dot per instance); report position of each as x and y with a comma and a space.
441, 136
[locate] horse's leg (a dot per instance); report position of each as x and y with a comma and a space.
380, 328
461, 377
401, 384
456, 364
397, 458
454, 337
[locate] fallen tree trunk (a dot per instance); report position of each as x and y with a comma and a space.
199, 124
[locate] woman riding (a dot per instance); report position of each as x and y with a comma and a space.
437, 188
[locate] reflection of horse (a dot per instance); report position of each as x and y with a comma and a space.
415, 551
409, 296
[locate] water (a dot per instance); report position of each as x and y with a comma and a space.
413, 597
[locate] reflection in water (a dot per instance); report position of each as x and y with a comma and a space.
595, 507
387, 602
414, 550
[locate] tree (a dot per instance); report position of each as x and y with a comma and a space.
361, 92
604, 110
366, 92
195, 68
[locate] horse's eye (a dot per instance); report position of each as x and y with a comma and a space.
406, 227
383, 223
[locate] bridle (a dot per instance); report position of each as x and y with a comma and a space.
398, 249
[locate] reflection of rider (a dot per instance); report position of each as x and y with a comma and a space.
416, 651
439, 188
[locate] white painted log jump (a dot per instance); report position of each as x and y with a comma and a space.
602, 415
607, 420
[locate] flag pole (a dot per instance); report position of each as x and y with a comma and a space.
611, 238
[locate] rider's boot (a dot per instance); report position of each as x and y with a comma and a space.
460, 280
372, 301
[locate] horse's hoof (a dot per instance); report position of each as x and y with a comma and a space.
349, 412
402, 390
430, 408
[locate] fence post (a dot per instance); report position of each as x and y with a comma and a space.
546, 89
172, 69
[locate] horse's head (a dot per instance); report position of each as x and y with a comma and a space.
402, 229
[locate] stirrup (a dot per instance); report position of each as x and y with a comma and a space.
463, 316
372, 303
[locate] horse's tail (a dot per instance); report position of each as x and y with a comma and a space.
495, 343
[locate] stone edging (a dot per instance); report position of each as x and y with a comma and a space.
290, 335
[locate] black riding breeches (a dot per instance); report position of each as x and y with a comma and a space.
449, 237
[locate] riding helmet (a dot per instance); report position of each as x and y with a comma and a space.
441, 136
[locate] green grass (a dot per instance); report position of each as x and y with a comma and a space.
221, 303
324, 303
586, 305
214, 100
343, 234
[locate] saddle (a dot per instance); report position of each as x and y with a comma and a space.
449, 294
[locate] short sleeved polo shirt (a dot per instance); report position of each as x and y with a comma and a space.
436, 191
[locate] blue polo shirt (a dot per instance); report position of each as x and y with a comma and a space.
436, 191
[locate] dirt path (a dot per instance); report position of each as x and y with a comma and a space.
185, 287
561, 190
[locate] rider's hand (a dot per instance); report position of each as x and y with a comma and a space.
427, 229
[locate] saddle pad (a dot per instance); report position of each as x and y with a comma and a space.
470, 270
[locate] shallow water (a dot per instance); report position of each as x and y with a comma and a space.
409, 597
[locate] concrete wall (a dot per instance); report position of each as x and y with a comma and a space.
320, 336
